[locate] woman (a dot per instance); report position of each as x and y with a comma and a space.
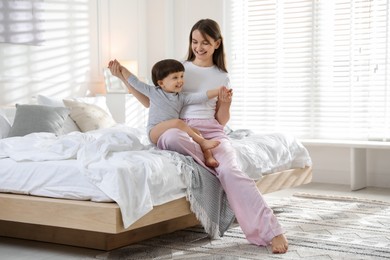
205, 69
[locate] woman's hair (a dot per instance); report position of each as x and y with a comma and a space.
163, 68
208, 27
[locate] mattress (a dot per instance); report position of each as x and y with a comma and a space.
56, 179
63, 179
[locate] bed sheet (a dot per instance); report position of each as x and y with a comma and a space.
63, 179
55, 179
262, 154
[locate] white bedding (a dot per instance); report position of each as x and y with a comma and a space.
56, 179
119, 164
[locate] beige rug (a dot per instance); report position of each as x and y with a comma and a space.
318, 227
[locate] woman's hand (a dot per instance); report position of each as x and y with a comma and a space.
225, 95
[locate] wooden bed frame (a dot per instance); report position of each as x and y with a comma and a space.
99, 225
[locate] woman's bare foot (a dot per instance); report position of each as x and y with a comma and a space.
209, 144
279, 244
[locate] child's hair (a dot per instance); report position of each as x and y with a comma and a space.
163, 68
208, 27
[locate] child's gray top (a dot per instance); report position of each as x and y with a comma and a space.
164, 105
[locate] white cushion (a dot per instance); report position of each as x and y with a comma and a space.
5, 125
88, 117
99, 101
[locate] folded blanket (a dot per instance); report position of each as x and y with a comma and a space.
214, 214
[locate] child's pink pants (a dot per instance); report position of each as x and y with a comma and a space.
254, 216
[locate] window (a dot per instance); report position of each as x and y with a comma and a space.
315, 69
65, 64
21, 21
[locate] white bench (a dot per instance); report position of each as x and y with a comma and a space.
358, 155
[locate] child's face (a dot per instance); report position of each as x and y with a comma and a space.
173, 83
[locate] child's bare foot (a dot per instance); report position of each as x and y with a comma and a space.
279, 244
209, 159
209, 144
211, 162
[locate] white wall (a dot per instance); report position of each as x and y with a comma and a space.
122, 29
332, 165
169, 24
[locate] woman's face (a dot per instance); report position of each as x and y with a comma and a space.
202, 48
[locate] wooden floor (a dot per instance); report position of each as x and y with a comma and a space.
23, 249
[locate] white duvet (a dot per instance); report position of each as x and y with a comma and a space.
126, 168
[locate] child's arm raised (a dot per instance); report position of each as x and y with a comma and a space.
123, 74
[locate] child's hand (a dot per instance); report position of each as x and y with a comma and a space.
225, 94
115, 68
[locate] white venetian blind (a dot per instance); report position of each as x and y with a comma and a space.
316, 69
21, 21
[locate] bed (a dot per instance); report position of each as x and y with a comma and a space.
56, 187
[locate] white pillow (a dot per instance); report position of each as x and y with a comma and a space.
99, 101
49, 101
9, 113
88, 117
5, 125
69, 125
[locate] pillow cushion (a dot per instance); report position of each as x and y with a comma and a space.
49, 101
99, 101
38, 118
69, 125
5, 125
88, 117
9, 113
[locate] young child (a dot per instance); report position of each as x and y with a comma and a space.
166, 102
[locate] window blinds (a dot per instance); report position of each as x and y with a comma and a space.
21, 21
315, 69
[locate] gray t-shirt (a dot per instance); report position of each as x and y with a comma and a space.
164, 105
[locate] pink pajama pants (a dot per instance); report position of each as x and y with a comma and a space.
254, 216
